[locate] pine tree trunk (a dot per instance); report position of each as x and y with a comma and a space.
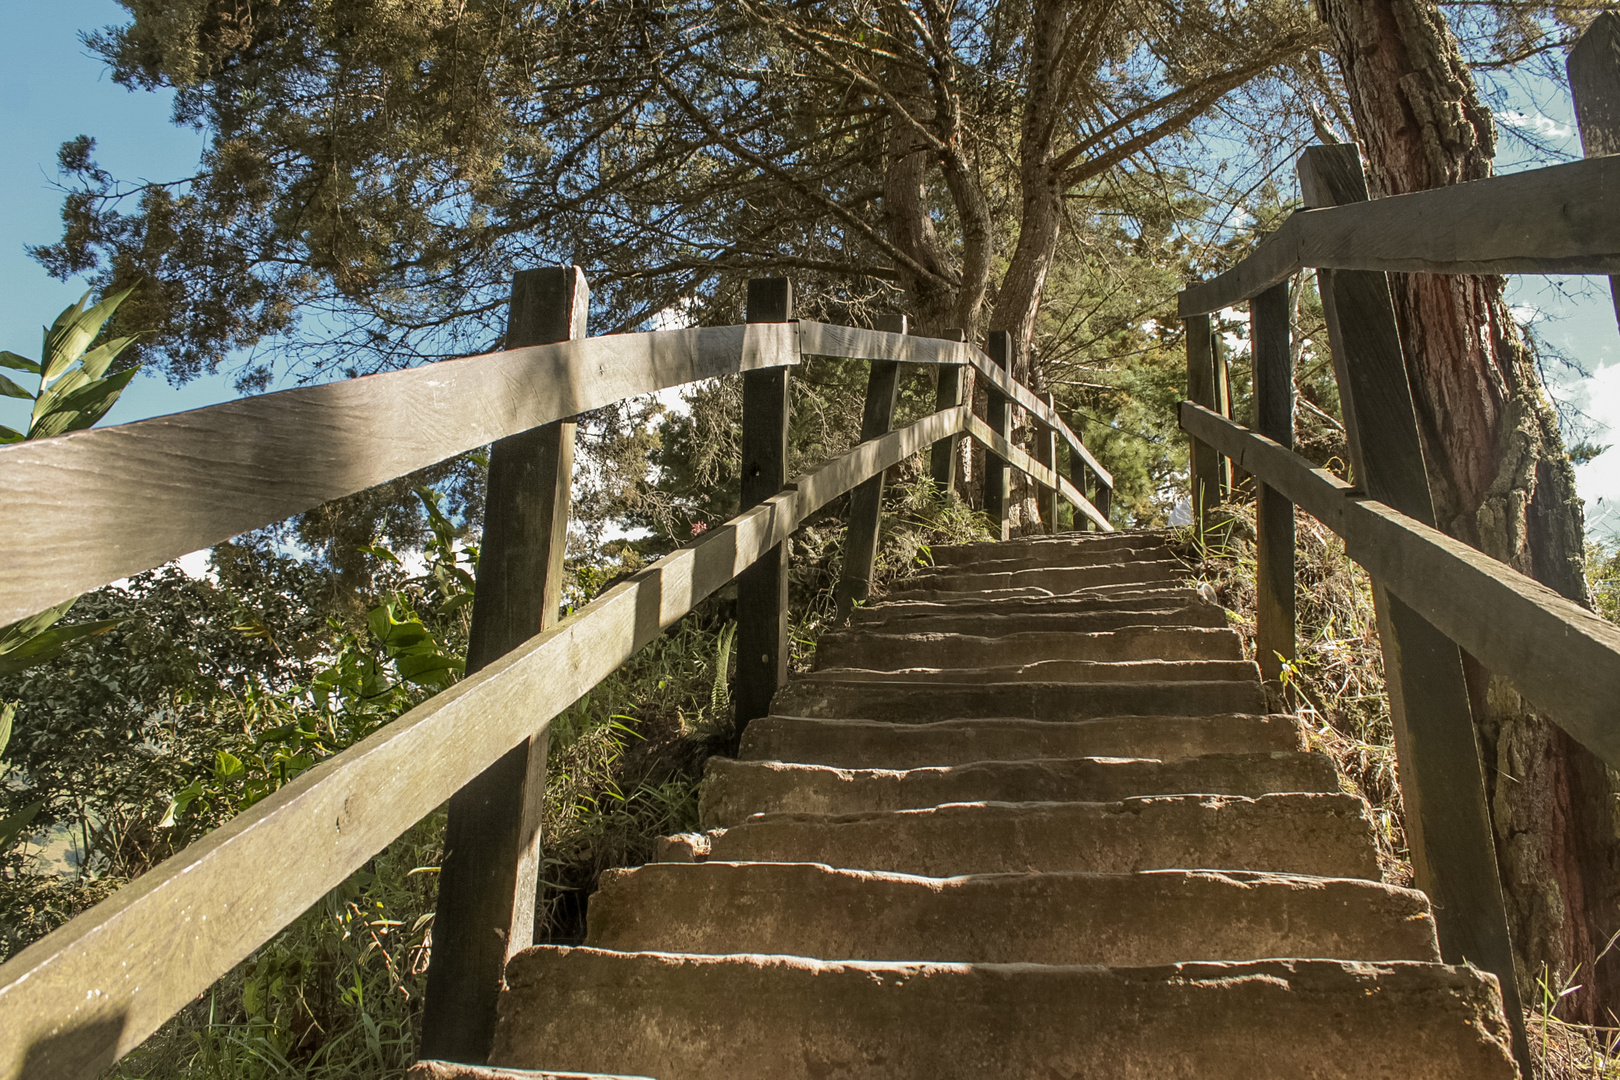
1502, 483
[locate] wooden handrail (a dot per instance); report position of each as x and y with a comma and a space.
94, 506
851, 343
1557, 220
88, 508
1514, 625
75, 1001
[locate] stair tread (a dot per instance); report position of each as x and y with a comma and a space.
1320, 833
684, 1017
1151, 918
733, 790
859, 743
835, 699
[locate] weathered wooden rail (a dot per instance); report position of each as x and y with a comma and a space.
1433, 594
95, 506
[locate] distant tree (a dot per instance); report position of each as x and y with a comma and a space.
373, 172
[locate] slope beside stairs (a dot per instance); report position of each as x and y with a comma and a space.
1027, 818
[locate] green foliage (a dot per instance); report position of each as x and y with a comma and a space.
75, 390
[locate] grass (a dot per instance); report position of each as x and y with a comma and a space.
1337, 686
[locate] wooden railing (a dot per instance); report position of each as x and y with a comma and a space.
1432, 593
91, 507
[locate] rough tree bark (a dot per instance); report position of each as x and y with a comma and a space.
1502, 483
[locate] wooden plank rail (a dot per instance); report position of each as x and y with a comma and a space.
74, 1002
95, 506
1513, 624
1558, 220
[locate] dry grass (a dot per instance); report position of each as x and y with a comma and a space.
1337, 687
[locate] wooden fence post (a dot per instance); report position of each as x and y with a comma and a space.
762, 589
1201, 390
1594, 83
1269, 336
948, 395
866, 501
1046, 454
490, 876
997, 473
1448, 826
1078, 476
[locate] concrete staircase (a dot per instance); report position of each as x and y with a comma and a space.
1027, 818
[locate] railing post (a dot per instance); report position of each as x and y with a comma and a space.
1594, 83
948, 395
1201, 390
490, 876
1046, 454
1448, 826
762, 589
866, 501
1078, 477
997, 473
1269, 334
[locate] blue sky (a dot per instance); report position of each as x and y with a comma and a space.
51, 90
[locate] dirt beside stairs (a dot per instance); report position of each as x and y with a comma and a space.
1027, 818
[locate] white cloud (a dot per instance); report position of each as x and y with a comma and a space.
1598, 481
1544, 126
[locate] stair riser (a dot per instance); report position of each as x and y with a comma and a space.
1049, 547
1068, 672
874, 745
1053, 581
1324, 835
976, 623
1068, 559
1134, 920
734, 790
1122, 598
682, 1018
893, 651
1035, 701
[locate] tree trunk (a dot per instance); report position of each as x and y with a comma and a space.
1501, 482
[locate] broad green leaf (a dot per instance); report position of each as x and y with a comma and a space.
10, 435
11, 389
6, 715
50, 644
20, 631
99, 359
75, 329
83, 407
227, 766
429, 669
13, 826
18, 363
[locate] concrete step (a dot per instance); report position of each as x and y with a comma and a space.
1051, 547
872, 744
1108, 598
1121, 920
1324, 834
921, 702
1070, 672
879, 651
449, 1070
1057, 619
733, 790
788, 1018
1053, 556
1057, 579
